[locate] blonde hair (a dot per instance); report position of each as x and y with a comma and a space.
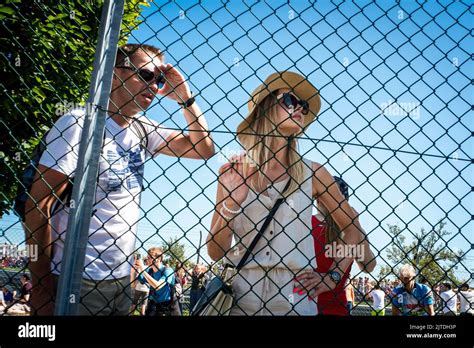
156, 252
260, 147
407, 270
332, 232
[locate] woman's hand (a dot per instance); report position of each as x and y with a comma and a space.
175, 86
314, 283
235, 186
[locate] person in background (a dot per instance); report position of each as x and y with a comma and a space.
181, 281
378, 296
449, 300
466, 300
423, 280
411, 298
360, 289
141, 291
177, 298
198, 284
327, 236
161, 281
8, 296
437, 290
366, 286
21, 304
349, 296
3, 304
25, 293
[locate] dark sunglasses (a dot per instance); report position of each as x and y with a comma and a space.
289, 100
147, 75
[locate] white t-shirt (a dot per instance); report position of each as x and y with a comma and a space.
466, 300
379, 297
2, 298
450, 301
112, 231
142, 287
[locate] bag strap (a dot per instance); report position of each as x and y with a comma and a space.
269, 218
141, 131
66, 196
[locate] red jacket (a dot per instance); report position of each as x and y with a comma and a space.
331, 302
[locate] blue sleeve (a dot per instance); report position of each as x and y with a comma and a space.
168, 276
427, 296
395, 299
142, 279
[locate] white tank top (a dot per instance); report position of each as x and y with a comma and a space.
287, 242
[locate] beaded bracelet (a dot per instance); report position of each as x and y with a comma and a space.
224, 215
230, 210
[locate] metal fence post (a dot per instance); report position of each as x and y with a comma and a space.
86, 173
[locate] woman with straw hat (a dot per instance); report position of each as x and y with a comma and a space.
278, 278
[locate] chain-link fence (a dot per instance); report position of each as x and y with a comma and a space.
317, 153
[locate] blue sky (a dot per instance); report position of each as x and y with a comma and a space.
362, 57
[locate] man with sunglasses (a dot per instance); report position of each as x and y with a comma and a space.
130, 138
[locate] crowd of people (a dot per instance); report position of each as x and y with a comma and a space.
13, 302
13, 262
405, 296
159, 289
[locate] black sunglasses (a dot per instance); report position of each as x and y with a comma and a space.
147, 75
290, 100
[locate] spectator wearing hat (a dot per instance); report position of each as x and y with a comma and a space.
279, 278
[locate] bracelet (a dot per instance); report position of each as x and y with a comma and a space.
188, 102
231, 211
224, 215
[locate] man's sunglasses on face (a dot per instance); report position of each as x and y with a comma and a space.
147, 75
290, 101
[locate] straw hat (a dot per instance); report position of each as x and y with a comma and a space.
298, 85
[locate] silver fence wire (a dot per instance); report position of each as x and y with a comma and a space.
308, 157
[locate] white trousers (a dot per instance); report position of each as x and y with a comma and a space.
269, 292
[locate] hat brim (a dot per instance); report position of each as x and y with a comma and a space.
297, 84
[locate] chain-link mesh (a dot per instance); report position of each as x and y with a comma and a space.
376, 193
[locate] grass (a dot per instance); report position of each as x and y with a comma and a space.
13, 269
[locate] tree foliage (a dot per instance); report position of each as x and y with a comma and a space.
175, 253
427, 251
47, 52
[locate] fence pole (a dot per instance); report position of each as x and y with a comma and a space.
199, 248
87, 169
